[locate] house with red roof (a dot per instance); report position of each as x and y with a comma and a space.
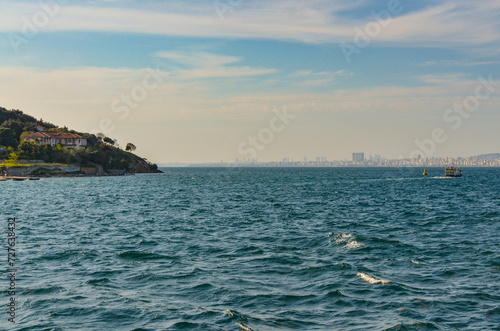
39, 127
67, 140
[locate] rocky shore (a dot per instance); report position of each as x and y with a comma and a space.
27, 168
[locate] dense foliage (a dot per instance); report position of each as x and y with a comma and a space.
100, 149
97, 153
13, 123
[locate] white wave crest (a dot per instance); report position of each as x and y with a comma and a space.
348, 239
243, 328
371, 279
342, 238
353, 244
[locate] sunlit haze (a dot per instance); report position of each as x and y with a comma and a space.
204, 81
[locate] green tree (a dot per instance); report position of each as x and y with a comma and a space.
7, 137
109, 140
12, 160
130, 147
29, 150
18, 127
15, 114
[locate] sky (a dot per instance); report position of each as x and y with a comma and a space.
210, 81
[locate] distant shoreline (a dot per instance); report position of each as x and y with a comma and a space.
320, 166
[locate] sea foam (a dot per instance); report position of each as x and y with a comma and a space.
348, 239
371, 279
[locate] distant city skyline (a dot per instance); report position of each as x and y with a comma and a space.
201, 82
486, 160
358, 157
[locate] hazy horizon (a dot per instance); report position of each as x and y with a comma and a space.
219, 80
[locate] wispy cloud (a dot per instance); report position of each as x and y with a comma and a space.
453, 24
443, 79
447, 24
198, 59
309, 78
315, 83
91, 90
454, 63
199, 65
310, 73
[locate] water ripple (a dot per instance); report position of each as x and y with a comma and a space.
258, 249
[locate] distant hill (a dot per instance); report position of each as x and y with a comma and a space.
493, 156
101, 151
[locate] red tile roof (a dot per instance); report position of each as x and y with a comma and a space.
55, 135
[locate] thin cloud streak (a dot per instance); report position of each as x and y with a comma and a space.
100, 86
453, 24
204, 65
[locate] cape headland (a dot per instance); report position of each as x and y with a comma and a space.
33, 147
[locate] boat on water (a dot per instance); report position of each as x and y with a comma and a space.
452, 172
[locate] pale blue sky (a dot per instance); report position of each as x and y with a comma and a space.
225, 65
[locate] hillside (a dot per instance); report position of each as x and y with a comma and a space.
99, 151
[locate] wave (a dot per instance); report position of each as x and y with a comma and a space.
353, 244
242, 327
137, 255
371, 279
342, 237
413, 326
348, 239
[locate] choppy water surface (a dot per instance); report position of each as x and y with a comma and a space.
257, 249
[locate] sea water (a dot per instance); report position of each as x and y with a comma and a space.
256, 249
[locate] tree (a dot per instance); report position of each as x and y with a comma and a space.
29, 150
109, 140
12, 160
130, 147
18, 127
15, 115
7, 137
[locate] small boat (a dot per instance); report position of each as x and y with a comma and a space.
425, 172
452, 172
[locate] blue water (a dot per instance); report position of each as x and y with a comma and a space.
257, 249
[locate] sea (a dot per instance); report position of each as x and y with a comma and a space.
254, 249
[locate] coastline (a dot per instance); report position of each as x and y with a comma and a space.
31, 177
28, 169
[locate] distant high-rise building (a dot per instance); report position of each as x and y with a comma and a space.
358, 157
